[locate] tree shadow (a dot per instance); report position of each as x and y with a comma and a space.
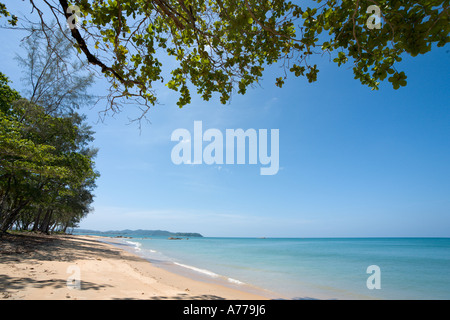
15, 283
37, 248
26, 247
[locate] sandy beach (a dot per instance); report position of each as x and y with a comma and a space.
67, 267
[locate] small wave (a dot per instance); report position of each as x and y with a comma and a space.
207, 272
235, 281
137, 245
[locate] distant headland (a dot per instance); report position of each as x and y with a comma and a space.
138, 233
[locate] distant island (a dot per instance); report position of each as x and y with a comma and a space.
138, 233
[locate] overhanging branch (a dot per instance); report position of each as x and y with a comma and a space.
83, 47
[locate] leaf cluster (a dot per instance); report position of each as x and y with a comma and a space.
223, 46
45, 161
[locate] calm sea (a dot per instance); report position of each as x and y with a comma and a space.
405, 268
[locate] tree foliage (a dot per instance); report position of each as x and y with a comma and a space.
53, 77
223, 46
46, 166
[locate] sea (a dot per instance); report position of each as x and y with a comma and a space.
309, 268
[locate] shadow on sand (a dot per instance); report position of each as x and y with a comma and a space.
36, 248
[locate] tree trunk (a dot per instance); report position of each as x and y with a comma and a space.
11, 217
3, 210
65, 227
8, 221
54, 226
44, 227
36, 220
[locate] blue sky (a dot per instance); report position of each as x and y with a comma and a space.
353, 162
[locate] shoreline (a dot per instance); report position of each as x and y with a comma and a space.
195, 273
75, 267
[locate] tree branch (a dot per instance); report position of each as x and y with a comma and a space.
82, 45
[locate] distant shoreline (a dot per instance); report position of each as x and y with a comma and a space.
137, 233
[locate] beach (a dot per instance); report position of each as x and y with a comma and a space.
69, 267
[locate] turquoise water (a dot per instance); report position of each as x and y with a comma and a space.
410, 268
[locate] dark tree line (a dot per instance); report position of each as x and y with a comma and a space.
47, 173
